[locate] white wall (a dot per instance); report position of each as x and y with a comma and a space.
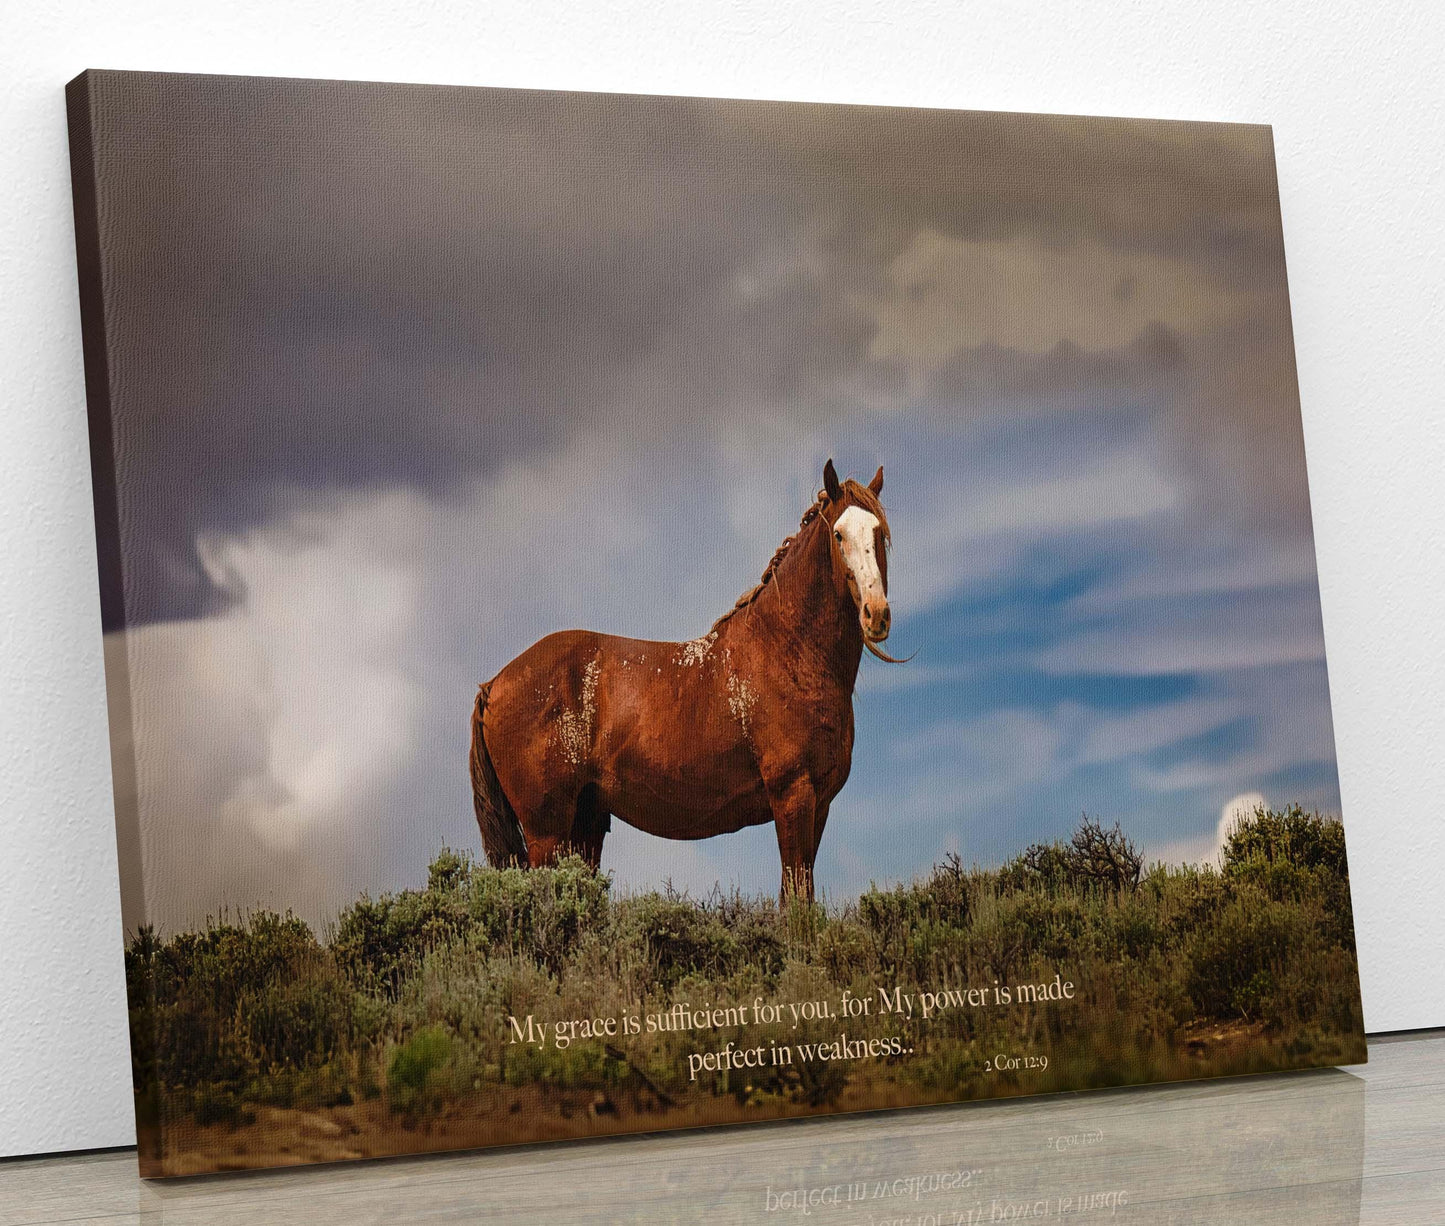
1353, 92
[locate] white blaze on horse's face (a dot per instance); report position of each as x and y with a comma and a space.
857, 536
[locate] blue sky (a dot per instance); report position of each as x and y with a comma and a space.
1085, 667
447, 370
1093, 635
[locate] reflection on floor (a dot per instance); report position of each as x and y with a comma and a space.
1358, 1145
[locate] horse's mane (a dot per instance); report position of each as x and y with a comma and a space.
852, 492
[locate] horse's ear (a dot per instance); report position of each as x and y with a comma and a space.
830, 482
876, 485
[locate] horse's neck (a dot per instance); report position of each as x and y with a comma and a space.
806, 608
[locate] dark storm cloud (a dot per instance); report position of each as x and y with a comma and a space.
407, 377
329, 285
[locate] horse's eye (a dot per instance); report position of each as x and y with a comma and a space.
837, 536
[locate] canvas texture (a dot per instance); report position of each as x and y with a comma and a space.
627, 613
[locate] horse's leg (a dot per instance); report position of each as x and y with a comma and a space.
557, 827
543, 850
794, 805
546, 808
590, 826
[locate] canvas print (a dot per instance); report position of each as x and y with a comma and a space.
627, 613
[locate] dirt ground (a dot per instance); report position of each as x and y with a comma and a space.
274, 1136
293, 1137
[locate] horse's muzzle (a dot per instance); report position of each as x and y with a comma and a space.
877, 618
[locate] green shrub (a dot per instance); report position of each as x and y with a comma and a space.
410, 995
1290, 836
377, 943
1234, 964
540, 914
412, 1072
298, 1023
234, 999
449, 870
680, 938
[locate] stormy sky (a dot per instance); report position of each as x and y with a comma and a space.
404, 378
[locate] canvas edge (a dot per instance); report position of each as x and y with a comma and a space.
750, 100
80, 106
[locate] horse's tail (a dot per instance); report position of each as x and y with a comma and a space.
502, 837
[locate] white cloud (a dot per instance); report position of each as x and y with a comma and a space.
1290, 707
266, 737
310, 741
316, 653
980, 528
1236, 811
1149, 639
1206, 848
1113, 738
1204, 566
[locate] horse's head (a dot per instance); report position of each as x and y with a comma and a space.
859, 529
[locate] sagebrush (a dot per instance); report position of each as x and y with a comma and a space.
406, 1001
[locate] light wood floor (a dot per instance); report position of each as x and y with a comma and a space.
1364, 1144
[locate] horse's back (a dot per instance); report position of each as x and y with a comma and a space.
651, 724
548, 694
576, 660
574, 692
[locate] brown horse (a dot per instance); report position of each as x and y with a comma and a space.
751, 723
